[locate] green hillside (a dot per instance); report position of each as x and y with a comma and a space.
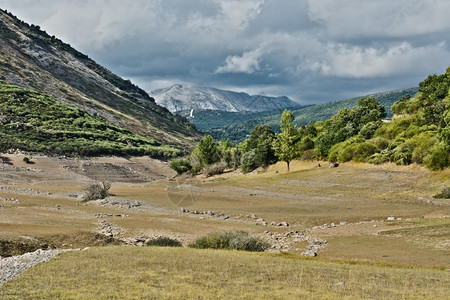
33, 121
237, 132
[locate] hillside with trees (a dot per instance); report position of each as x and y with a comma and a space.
419, 132
238, 130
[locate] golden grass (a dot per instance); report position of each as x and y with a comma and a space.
183, 273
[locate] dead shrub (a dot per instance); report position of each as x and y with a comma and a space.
97, 191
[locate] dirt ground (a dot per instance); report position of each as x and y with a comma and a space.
362, 212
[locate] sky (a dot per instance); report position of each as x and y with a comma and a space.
312, 51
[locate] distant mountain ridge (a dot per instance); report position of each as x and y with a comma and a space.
178, 98
33, 59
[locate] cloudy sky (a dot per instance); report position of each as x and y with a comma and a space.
310, 50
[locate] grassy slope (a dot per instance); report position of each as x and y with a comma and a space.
175, 273
33, 121
320, 112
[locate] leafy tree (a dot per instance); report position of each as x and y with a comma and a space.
208, 151
285, 143
225, 149
259, 144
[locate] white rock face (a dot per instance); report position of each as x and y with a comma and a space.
187, 97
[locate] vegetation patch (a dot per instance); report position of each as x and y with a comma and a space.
163, 241
231, 240
445, 194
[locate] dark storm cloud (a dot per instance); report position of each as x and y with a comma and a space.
311, 51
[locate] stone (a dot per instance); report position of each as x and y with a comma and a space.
391, 218
285, 224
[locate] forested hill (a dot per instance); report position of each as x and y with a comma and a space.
33, 59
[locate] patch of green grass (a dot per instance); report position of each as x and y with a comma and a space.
184, 273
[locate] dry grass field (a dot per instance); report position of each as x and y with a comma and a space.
182, 273
377, 224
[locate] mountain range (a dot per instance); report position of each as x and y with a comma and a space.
179, 98
33, 59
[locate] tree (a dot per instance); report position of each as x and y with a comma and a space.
259, 144
207, 150
285, 142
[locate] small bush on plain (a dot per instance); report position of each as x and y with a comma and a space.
97, 191
231, 240
163, 241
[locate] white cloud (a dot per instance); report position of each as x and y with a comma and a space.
248, 63
358, 62
382, 18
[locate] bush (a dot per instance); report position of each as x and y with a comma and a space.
180, 165
445, 194
214, 169
164, 242
439, 158
26, 160
231, 240
97, 191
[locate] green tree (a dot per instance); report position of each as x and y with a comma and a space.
259, 144
225, 149
207, 151
285, 143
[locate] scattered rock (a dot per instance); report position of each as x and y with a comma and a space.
390, 218
333, 165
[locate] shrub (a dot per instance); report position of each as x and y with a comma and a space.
164, 242
26, 160
308, 155
180, 165
445, 194
439, 158
214, 169
231, 240
97, 191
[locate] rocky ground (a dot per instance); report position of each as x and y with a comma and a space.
41, 203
